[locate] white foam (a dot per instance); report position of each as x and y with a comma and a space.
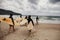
48, 21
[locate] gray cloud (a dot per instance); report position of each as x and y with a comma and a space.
54, 1
33, 7
21, 8
33, 1
19, 2
54, 9
1, 1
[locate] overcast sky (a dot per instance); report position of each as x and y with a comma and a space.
32, 7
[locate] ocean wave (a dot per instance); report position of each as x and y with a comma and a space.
46, 20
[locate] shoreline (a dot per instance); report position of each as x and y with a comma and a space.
48, 21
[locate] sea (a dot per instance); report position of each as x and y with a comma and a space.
42, 19
48, 19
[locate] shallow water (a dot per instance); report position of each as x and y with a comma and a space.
44, 19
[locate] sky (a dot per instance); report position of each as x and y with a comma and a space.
32, 7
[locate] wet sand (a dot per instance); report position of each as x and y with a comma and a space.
41, 31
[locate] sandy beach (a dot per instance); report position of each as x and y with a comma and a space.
42, 31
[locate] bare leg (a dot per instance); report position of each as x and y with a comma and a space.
37, 22
9, 28
29, 31
13, 28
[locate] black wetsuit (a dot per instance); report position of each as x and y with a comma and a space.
12, 19
29, 19
37, 19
